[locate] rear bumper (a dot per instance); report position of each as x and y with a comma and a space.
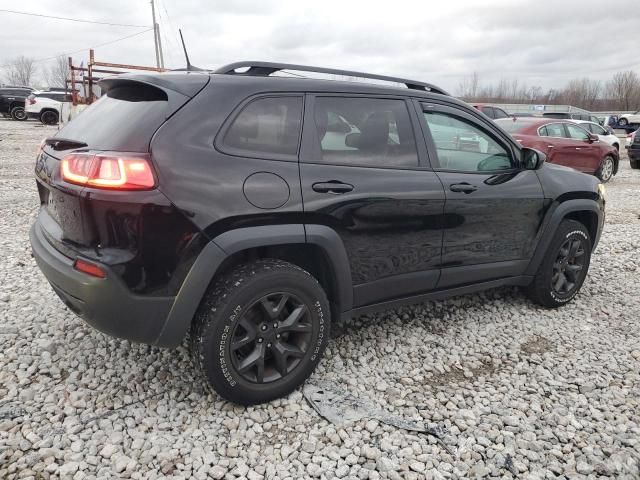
104, 303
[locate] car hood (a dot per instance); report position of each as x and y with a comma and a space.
558, 180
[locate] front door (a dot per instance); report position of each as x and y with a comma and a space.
493, 207
586, 151
362, 175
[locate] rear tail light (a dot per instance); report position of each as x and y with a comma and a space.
110, 171
32, 100
89, 268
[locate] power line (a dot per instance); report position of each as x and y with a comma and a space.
71, 19
87, 48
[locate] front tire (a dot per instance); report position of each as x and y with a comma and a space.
635, 164
19, 114
607, 167
260, 331
564, 267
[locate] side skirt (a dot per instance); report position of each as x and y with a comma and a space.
521, 281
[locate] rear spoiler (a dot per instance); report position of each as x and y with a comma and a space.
188, 84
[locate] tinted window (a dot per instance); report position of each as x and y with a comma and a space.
463, 146
123, 119
499, 113
577, 133
365, 131
553, 130
267, 125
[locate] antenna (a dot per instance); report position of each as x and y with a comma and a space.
186, 55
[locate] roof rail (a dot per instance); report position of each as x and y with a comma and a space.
267, 68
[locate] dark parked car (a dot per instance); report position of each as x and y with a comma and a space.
251, 227
12, 101
633, 151
566, 143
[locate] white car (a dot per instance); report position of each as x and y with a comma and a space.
46, 105
628, 118
603, 134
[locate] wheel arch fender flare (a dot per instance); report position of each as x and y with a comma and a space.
226, 244
555, 217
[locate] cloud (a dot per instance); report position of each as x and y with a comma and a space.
544, 43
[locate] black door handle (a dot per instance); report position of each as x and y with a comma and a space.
463, 187
332, 186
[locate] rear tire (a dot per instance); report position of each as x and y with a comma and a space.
260, 331
623, 122
49, 117
634, 164
565, 265
607, 167
19, 114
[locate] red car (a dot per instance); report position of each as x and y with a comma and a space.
565, 143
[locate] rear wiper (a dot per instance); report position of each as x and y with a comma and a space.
64, 143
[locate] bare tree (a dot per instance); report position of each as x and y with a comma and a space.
21, 71
582, 92
624, 89
469, 86
58, 72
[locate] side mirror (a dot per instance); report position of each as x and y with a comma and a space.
592, 138
352, 140
532, 159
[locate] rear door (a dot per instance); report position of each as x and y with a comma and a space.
493, 207
364, 174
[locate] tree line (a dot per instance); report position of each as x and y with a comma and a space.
621, 92
23, 71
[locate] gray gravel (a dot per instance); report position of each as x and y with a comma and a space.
518, 391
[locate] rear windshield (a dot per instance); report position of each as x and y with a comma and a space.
124, 119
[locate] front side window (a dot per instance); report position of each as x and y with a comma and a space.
597, 129
577, 133
463, 146
365, 131
552, 130
268, 125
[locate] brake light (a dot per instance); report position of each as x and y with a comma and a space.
89, 268
110, 171
32, 100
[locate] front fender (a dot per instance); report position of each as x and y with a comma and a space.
554, 217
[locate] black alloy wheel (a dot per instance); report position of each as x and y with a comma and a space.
271, 337
568, 266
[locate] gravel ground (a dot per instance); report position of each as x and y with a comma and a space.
519, 392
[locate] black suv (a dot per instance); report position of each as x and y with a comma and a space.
12, 102
633, 151
250, 209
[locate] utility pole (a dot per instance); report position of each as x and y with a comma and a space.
156, 37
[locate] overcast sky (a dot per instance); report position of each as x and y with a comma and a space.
539, 42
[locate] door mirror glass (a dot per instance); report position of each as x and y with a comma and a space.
532, 159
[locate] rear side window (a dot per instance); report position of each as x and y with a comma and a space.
268, 125
370, 132
552, 130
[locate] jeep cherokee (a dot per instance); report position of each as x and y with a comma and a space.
249, 209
